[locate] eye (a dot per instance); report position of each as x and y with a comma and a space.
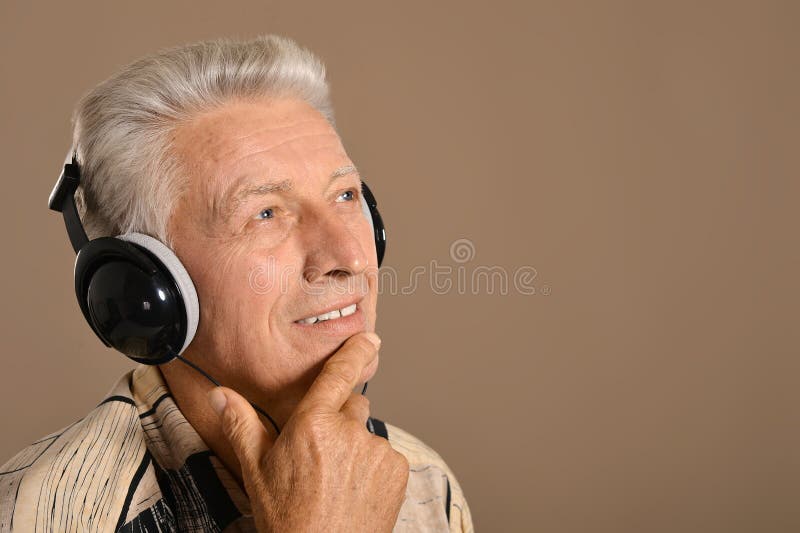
264, 214
347, 196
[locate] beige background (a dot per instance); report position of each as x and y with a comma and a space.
642, 157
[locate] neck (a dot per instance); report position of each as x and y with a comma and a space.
190, 389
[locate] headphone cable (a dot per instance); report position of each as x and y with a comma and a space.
215, 382
257, 408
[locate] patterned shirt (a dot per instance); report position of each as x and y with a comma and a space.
135, 464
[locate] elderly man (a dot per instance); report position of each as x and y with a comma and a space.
219, 164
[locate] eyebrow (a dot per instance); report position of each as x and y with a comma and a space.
343, 171
230, 206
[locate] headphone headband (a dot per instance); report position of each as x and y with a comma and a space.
62, 199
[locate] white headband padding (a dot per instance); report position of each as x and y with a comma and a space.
366, 211
179, 274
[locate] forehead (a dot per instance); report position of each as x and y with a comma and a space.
256, 139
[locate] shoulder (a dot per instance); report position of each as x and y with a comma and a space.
78, 477
434, 499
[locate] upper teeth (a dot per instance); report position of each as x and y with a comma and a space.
345, 311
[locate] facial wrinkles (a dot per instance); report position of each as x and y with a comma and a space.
260, 138
256, 255
231, 312
276, 162
224, 147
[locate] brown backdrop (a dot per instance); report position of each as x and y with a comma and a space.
641, 158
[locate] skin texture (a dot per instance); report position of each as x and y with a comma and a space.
260, 262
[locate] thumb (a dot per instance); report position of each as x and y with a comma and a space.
241, 427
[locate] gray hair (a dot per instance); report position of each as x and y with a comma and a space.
130, 180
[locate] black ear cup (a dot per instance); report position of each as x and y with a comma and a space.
130, 300
376, 221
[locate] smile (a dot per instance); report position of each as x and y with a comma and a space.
331, 315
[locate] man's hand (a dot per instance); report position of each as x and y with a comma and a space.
325, 471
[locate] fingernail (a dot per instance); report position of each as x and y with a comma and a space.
217, 400
374, 339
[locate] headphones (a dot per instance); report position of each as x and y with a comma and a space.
133, 290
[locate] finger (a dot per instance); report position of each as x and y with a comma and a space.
340, 374
357, 408
241, 427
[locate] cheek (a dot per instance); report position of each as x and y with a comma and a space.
269, 278
221, 279
266, 280
371, 249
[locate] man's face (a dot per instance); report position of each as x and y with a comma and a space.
270, 228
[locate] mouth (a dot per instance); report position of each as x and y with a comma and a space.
347, 318
329, 315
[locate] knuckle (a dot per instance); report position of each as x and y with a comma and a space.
234, 426
359, 403
400, 468
361, 344
383, 450
394, 465
354, 428
311, 428
340, 372
400, 461
396, 459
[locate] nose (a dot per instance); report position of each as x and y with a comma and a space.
333, 249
